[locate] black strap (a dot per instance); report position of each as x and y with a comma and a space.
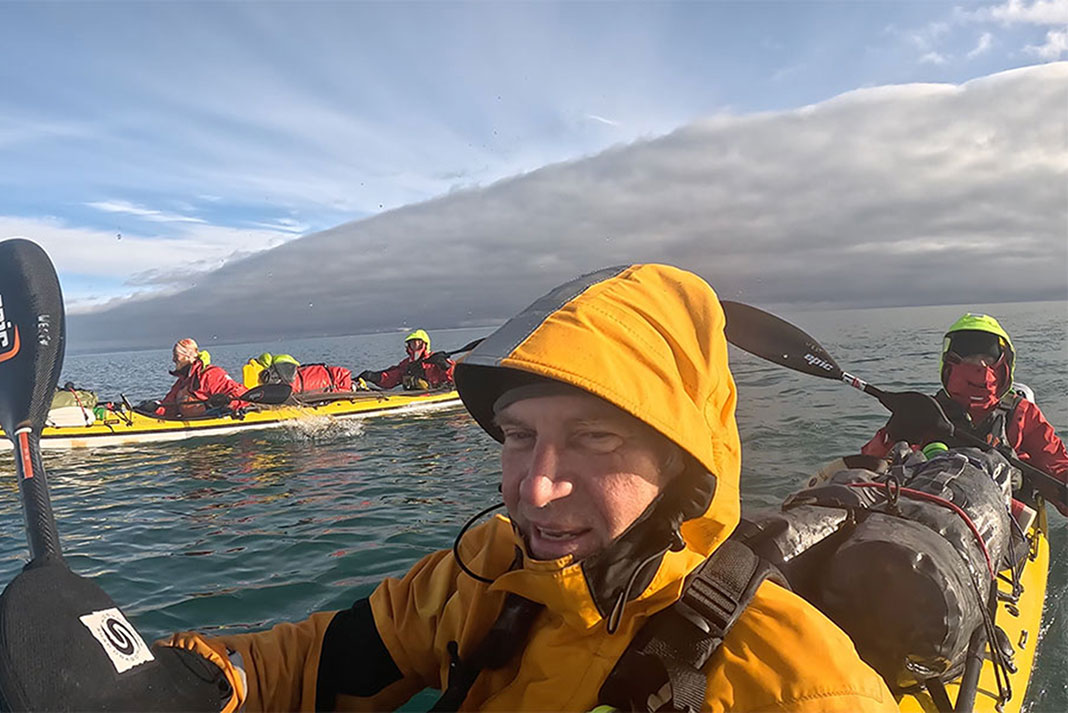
993, 429
506, 638
662, 669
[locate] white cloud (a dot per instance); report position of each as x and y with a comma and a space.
601, 119
1055, 47
788, 71
157, 216
933, 58
893, 195
983, 45
121, 262
1012, 12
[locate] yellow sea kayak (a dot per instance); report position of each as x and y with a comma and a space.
131, 427
1021, 621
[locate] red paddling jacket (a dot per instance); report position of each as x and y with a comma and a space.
197, 384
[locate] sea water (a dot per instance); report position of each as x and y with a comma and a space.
241, 532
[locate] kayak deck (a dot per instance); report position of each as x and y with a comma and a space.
1020, 621
131, 428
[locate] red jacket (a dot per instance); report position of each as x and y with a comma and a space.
1029, 434
198, 384
432, 373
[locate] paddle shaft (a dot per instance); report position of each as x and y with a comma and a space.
41, 533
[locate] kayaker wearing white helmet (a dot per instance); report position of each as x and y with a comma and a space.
197, 381
620, 463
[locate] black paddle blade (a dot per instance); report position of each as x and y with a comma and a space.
31, 335
65, 646
467, 347
267, 394
769, 337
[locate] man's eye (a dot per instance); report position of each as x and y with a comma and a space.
602, 441
517, 437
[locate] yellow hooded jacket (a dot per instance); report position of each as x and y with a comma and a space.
648, 339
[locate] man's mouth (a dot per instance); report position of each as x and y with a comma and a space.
554, 541
558, 535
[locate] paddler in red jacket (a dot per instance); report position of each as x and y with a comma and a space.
422, 369
978, 364
197, 382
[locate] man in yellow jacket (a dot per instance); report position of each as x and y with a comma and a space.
620, 463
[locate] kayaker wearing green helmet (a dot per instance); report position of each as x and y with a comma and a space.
977, 368
422, 369
277, 368
304, 378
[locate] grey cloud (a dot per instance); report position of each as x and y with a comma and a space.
918, 194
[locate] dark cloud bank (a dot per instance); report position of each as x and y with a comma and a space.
905, 195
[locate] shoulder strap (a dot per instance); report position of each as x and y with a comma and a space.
506, 638
662, 669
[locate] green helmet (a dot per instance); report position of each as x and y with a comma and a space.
284, 359
966, 329
419, 334
265, 359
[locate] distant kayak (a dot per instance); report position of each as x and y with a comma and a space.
126, 426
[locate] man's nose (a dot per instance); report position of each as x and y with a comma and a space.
545, 482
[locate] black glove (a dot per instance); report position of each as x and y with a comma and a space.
219, 400
439, 360
368, 375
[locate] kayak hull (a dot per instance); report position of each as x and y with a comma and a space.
135, 428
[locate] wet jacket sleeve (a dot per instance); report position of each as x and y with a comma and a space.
373, 656
1039, 444
393, 375
330, 661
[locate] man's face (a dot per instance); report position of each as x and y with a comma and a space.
178, 359
415, 347
577, 472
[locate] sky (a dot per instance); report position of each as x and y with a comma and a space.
348, 167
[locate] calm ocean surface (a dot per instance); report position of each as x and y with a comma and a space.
242, 532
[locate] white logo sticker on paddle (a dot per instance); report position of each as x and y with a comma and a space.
120, 641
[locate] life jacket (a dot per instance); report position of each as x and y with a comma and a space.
670, 648
422, 374
663, 667
993, 428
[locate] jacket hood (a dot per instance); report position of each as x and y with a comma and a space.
419, 334
980, 323
649, 340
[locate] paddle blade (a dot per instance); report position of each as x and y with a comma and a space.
31, 335
268, 394
467, 347
66, 646
768, 337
